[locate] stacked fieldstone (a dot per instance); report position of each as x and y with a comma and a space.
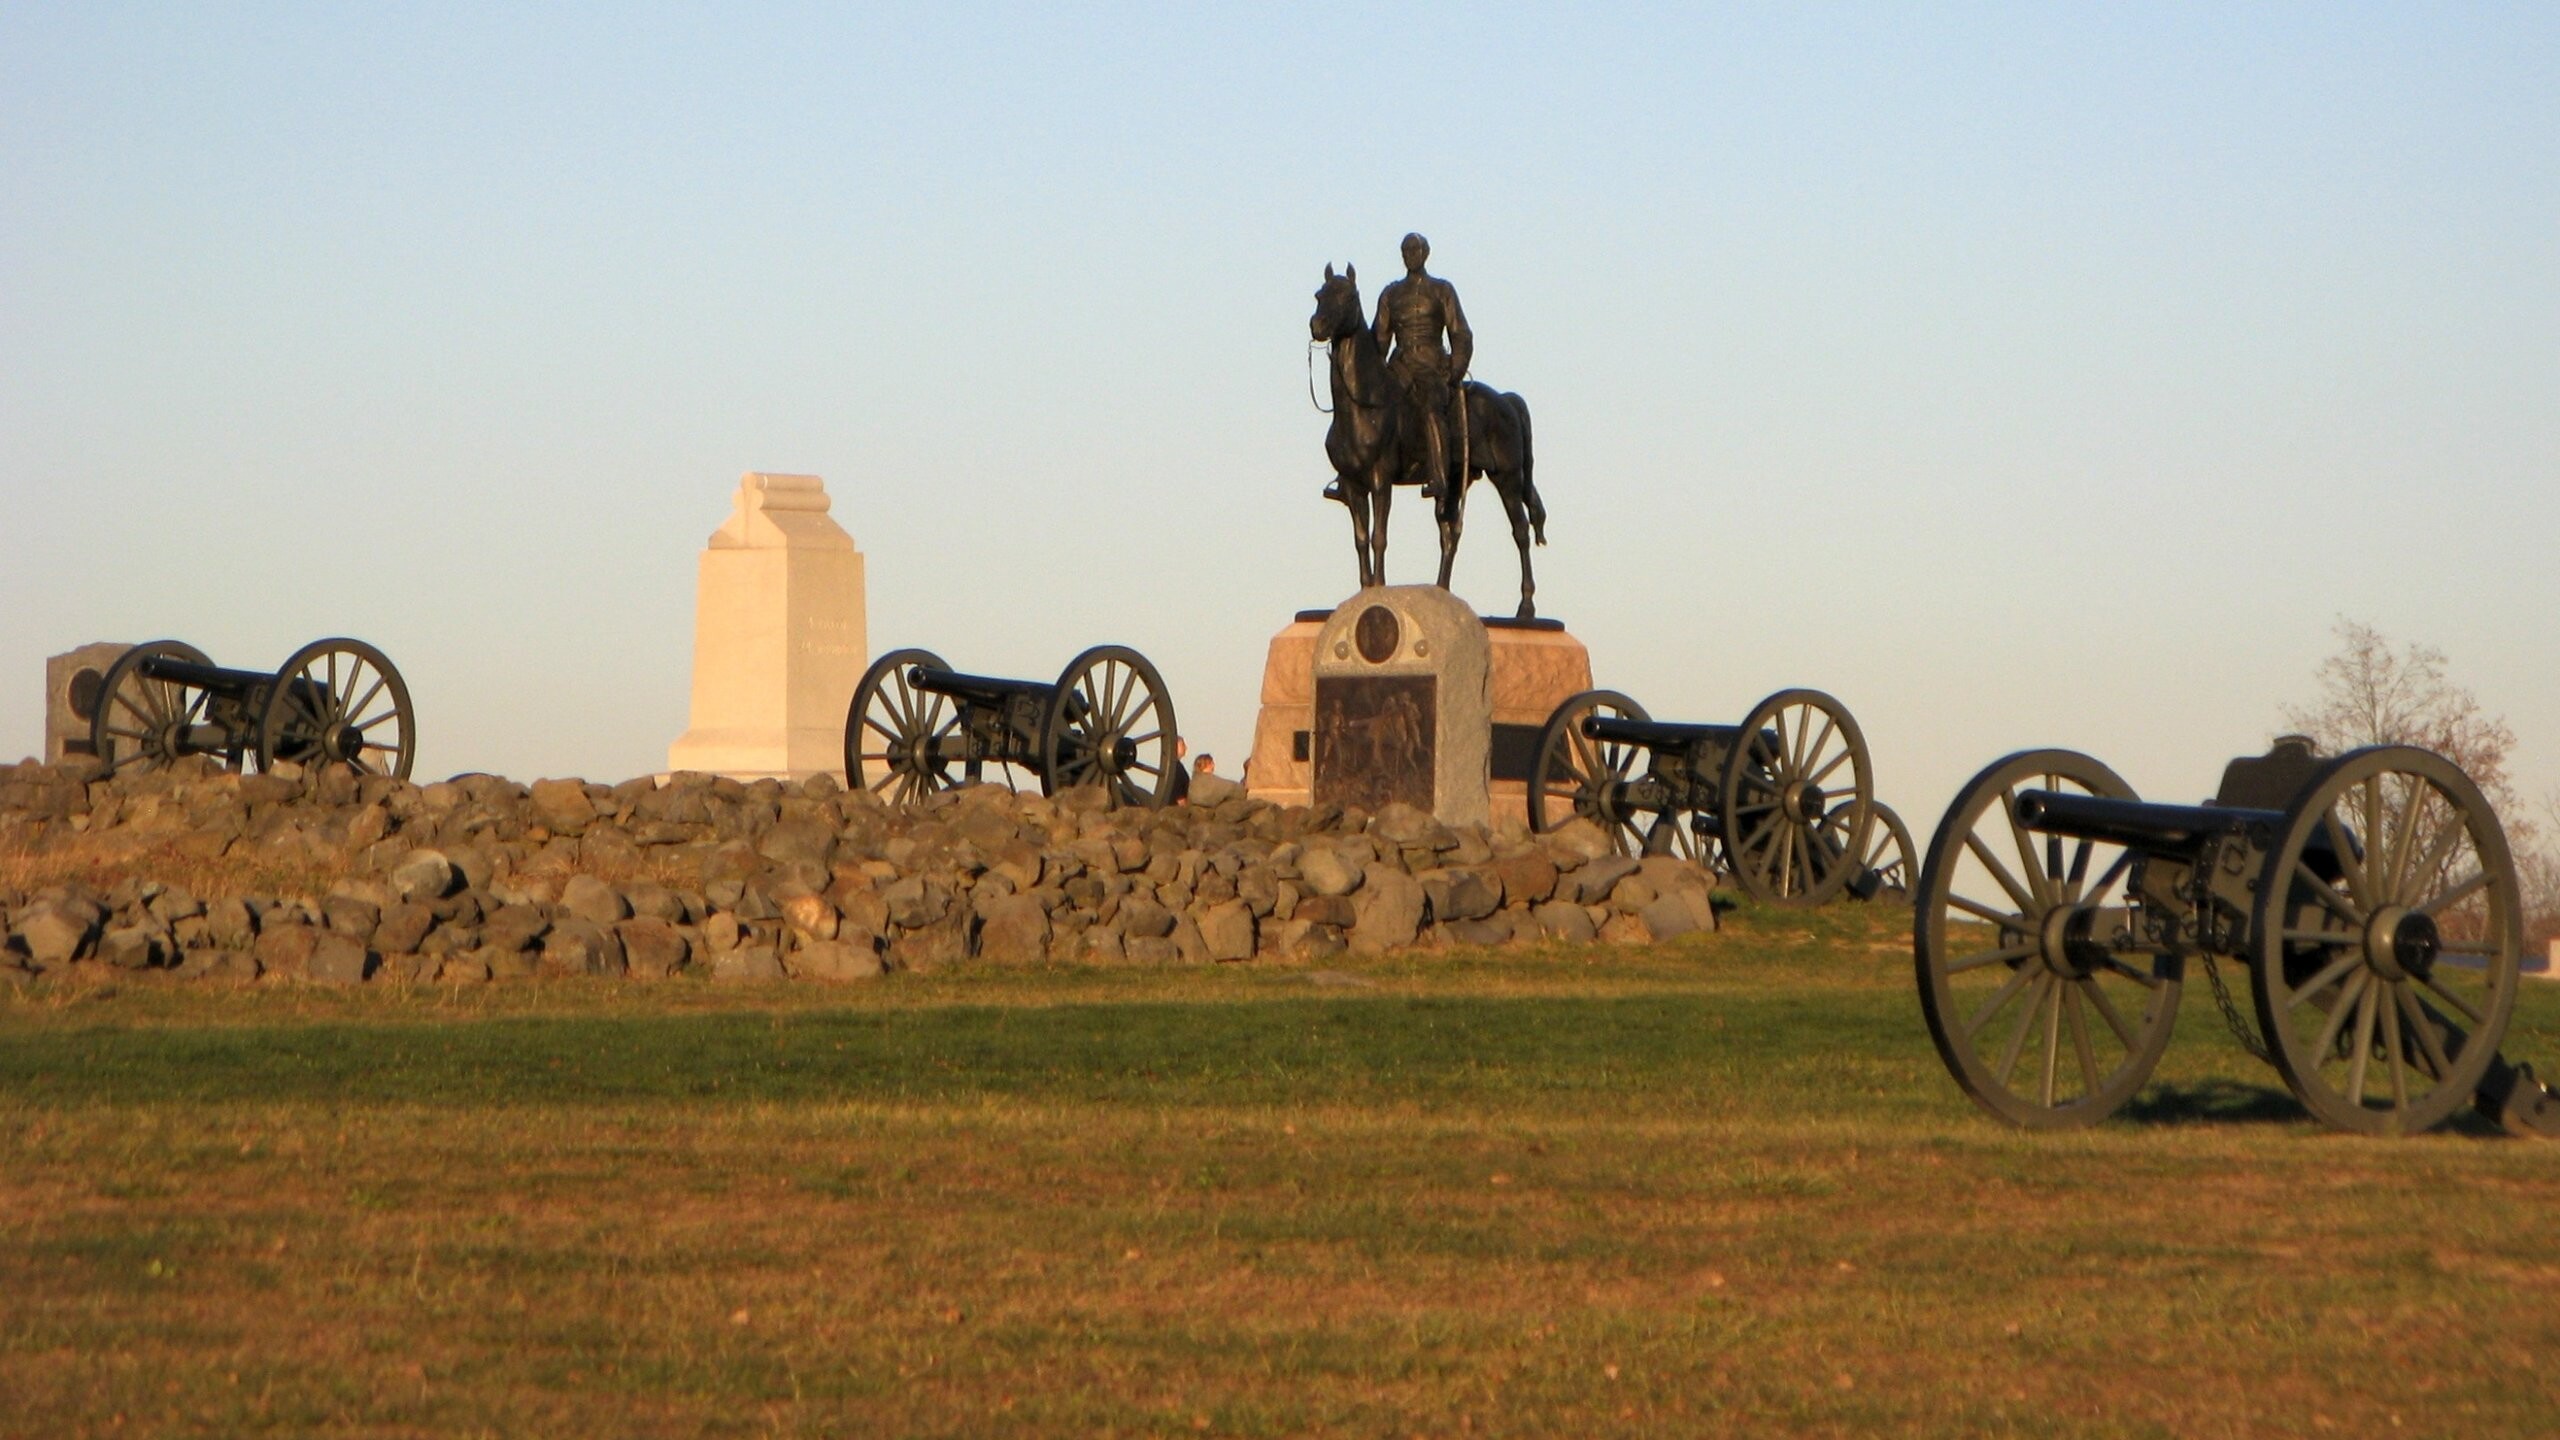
478, 878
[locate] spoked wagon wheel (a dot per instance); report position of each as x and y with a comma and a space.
899, 741
1795, 798
140, 721
2388, 934
339, 702
1576, 775
1883, 871
1110, 723
2024, 951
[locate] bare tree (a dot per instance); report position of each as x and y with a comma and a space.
2375, 693
2372, 693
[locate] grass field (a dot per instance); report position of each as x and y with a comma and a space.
1718, 1188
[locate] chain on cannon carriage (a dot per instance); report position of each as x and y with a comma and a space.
333, 702
2370, 897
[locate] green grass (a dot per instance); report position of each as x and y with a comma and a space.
1723, 1187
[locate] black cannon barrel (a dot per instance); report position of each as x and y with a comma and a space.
1658, 734
974, 687
202, 677
2135, 824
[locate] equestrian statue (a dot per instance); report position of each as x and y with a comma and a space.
1404, 413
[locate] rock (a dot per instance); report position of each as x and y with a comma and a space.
1457, 894
337, 959
863, 914
508, 964
1667, 917
652, 901
56, 932
1484, 933
1337, 911
1327, 871
133, 947
1593, 882
1301, 939
1014, 930
231, 924
1142, 919
1527, 878
1152, 952
834, 960
1102, 945
1400, 824
809, 914
746, 965
513, 927
593, 901
424, 875
581, 947
285, 947
1227, 929
1213, 789
1624, 930
1565, 921
470, 969
1188, 943
946, 942
798, 842
914, 904
351, 915
563, 806
1389, 910
652, 949
1632, 894
1576, 841
404, 927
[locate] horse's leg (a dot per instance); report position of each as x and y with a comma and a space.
1355, 500
1382, 494
1453, 518
1508, 486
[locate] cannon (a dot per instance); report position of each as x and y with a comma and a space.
1106, 720
2371, 896
1783, 802
334, 702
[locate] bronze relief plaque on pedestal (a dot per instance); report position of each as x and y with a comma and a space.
1373, 740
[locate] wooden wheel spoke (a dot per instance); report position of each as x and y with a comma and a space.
2423, 1026
2479, 880
2036, 878
2026, 1025
2345, 908
2005, 919
2052, 1041
1999, 1000
2005, 955
2393, 1053
2336, 971
2349, 864
2450, 998
2080, 1040
2106, 1009
2360, 1048
2026, 901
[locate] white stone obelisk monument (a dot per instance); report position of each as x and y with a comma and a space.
778, 636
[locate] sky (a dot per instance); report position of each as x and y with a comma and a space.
2021, 375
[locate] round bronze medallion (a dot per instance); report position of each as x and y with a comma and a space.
1377, 633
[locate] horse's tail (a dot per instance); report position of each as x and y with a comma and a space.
1528, 473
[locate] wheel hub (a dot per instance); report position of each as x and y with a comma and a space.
2065, 943
1802, 803
2401, 944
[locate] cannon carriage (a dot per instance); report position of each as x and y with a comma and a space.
2371, 897
1784, 802
917, 727
333, 702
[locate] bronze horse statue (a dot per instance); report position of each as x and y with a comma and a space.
1373, 450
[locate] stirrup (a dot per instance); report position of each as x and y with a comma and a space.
1333, 491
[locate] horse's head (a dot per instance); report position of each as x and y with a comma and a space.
1337, 305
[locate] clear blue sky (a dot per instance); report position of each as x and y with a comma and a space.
2021, 374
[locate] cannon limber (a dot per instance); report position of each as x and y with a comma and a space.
2371, 897
1783, 803
916, 726
334, 702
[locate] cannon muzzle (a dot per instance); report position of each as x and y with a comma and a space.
2134, 824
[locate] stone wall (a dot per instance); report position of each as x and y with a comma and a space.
479, 878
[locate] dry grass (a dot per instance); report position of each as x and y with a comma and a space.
1718, 1189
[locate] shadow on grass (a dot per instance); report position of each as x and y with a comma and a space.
2215, 1102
